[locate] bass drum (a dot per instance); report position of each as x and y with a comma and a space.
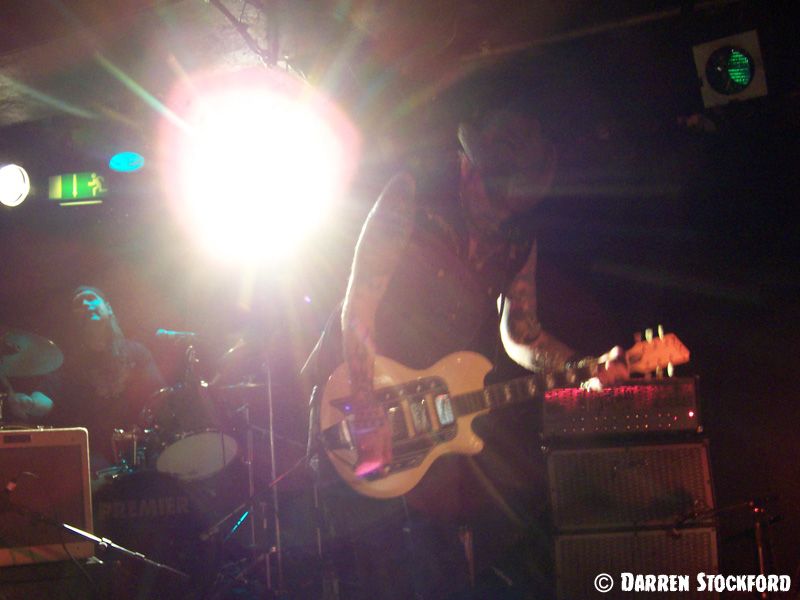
164, 519
191, 444
197, 455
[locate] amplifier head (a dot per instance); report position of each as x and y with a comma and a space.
636, 407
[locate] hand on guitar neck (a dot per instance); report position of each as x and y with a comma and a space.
611, 368
653, 354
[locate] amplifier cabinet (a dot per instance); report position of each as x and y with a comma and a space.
45, 473
65, 580
580, 558
627, 487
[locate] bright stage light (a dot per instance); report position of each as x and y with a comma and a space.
14, 185
260, 163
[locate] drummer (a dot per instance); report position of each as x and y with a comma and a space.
106, 379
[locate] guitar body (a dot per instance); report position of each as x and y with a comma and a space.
423, 426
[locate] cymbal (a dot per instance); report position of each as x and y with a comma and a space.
244, 360
24, 354
244, 385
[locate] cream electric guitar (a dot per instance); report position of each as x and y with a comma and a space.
431, 411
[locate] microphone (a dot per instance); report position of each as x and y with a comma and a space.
168, 334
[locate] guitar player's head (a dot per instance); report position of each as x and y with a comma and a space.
507, 163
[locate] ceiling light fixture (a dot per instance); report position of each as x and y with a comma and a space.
15, 185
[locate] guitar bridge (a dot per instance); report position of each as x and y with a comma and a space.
338, 437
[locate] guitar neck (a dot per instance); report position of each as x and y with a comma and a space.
517, 390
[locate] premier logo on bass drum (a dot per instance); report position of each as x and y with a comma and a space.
164, 506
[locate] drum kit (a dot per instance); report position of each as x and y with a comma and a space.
24, 354
183, 486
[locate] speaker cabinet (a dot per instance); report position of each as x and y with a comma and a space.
580, 558
628, 487
45, 474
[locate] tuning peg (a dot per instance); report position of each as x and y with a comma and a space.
648, 334
670, 369
661, 332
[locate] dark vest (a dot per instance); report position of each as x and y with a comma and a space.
437, 302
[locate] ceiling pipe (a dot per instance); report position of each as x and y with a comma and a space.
591, 30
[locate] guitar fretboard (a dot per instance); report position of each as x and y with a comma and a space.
513, 391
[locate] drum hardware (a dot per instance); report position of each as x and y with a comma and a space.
130, 447
235, 375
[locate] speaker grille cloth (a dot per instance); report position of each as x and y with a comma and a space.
627, 487
580, 558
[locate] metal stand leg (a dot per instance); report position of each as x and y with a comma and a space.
330, 578
465, 537
277, 550
761, 525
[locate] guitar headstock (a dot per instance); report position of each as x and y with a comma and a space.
655, 353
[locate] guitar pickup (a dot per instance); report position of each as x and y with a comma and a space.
397, 422
419, 416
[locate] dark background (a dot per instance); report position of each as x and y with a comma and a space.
663, 212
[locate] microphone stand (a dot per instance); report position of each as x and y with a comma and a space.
104, 543
5, 392
761, 521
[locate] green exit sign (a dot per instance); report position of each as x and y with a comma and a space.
74, 189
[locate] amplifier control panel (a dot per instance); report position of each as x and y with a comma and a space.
652, 405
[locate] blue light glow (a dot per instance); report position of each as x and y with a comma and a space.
126, 162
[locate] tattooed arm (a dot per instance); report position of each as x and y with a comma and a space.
527, 343
524, 339
383, 238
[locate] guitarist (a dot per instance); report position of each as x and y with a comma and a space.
434, 256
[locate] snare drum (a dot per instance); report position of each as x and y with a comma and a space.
193, 456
